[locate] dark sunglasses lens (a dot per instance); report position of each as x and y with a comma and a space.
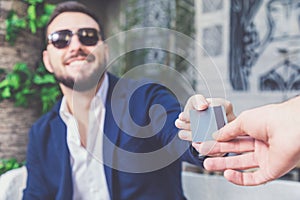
61, 39
88, 36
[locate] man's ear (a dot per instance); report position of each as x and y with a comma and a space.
47, 62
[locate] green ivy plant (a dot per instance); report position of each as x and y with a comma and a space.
28, 88
9, 164
38, 14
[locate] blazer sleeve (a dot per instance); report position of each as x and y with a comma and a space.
36, 187
168, 135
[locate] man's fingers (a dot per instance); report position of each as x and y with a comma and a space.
185, 135
182, 124
243, 124
229, 131
239, 145
238, 162
245, 178
184, 117
196, 102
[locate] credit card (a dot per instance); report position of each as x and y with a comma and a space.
204, 123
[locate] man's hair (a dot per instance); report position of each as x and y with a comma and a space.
73, 6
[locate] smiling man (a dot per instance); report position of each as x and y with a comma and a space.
71, 55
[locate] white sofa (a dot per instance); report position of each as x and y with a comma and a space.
208, 187
12, 184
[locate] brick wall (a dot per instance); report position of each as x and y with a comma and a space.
14, 125
14, 121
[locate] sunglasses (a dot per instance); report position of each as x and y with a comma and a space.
62, 39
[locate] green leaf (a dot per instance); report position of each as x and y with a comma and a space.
34, 2
4, 83
14, 80
21, 23
22, 68
44, 18
49, 97
49, 8
27, 91
15, 22
41, 69
21, 99
47, 78
9, 164
15, 165
32, 26
42, 21
10, 28
31, 12
6, 93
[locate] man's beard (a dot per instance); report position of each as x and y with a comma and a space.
85, 84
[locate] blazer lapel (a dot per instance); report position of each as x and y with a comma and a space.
112, 130
58, 134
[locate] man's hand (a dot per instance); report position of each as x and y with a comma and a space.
266, 140
199, 102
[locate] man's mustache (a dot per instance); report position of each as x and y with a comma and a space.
88, 57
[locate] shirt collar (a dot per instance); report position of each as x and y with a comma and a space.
101, 94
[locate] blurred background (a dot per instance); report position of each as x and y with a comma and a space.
246, 51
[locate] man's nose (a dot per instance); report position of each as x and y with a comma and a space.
75, 44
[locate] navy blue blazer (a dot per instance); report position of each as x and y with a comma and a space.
142, 153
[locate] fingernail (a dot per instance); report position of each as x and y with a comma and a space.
184, 134
183, 116
178, 123
202, 106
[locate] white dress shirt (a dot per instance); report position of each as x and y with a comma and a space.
88, 174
